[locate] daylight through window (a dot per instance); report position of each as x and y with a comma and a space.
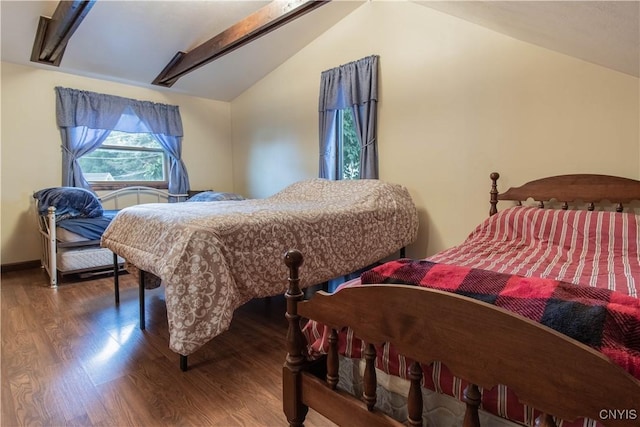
132, 157
349, 147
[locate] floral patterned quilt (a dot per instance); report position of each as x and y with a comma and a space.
215, 256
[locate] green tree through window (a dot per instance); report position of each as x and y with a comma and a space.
126, 157
349, 147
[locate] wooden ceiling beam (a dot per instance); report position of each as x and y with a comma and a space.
54, 33
266, 19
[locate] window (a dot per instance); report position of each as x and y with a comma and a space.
135, 142
349, 147
347, 109
126, 157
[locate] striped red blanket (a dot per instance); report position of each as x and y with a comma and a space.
598, 249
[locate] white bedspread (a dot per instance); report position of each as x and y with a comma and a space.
215, 256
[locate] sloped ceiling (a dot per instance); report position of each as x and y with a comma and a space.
606, 33
132, 41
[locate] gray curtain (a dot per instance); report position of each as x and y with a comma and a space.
86, 118
353, 85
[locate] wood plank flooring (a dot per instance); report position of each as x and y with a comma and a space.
70, 357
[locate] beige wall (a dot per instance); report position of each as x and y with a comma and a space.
31, 145
456, 102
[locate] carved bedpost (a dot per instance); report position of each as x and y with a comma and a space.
296, 346
370, 381
494, 193
545, 420
472, 398
333, 364
414, 400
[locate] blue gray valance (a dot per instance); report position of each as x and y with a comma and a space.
86, 118
100, 111
349, 84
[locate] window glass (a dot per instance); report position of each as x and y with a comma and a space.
349, 147
126, 157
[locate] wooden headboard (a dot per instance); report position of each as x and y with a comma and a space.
585, 188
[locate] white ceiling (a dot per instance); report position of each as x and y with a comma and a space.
132, 41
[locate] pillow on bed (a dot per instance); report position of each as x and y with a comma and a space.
214, 196
70, 202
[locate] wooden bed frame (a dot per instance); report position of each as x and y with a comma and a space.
428, 325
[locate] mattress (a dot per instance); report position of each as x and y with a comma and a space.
89, 258
66, 236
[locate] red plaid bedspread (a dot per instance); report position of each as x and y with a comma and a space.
606, 320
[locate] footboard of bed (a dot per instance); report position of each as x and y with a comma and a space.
301, 379
479, 342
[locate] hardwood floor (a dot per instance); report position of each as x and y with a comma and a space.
70, 357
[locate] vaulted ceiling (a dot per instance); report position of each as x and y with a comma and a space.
133, 41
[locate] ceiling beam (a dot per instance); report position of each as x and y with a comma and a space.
54, 33
266, 19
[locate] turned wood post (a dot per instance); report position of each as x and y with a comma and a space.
333, 363
370, 380
296, 346
472, 398
545, 420
494, 193
414, 400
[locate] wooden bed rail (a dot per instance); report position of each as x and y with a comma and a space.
585, 188
482, 343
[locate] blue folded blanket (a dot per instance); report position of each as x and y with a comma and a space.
70, 202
